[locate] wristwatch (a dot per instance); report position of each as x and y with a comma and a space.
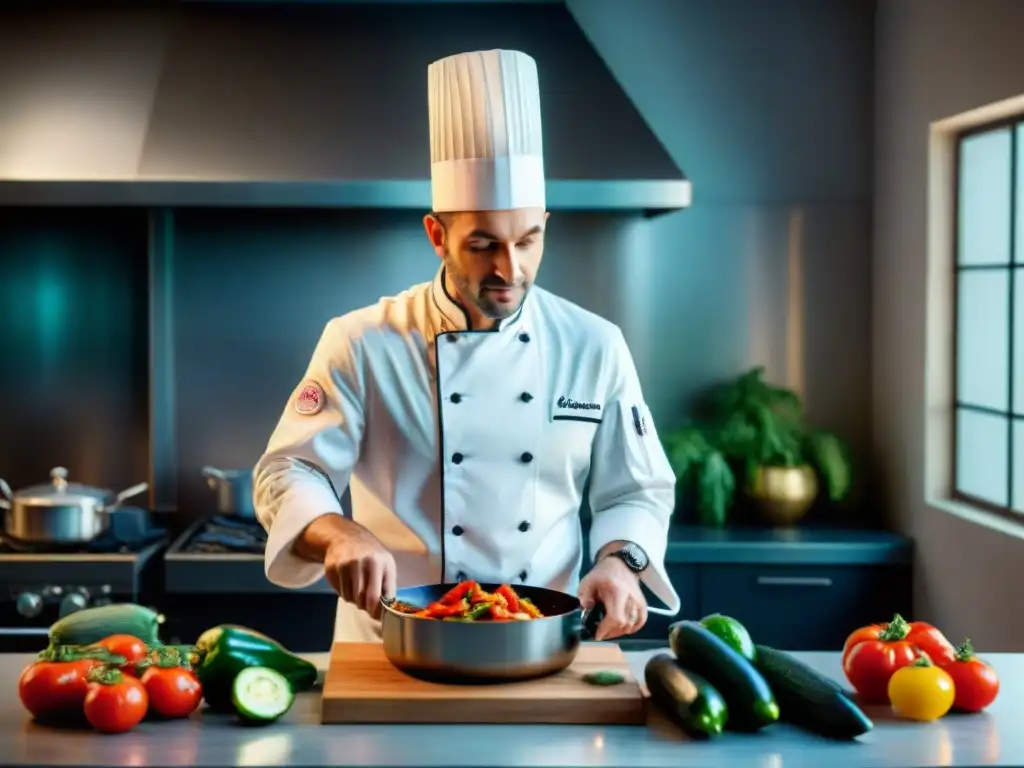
633, 556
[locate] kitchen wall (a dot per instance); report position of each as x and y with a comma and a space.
73, 346
767, 107
935, 59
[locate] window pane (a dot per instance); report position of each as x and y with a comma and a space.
1018, 342
1019, 173
1018, 466
984, 198
983, 328
981, 443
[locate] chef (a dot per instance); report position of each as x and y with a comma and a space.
466, 413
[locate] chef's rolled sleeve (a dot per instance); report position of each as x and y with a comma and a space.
632, 485
310, 457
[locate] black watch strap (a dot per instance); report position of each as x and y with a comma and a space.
633, 556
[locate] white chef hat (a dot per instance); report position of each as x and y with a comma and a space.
486, 152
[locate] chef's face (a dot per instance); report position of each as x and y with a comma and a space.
491, 257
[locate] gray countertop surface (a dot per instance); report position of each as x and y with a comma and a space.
995, 737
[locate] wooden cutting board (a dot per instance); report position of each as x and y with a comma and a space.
362, 686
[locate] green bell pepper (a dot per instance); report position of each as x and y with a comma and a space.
228, 649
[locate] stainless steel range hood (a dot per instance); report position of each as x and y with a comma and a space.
293, 104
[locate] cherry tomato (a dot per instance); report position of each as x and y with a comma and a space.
133, 650
976, 682
871, 663
173, 691
115, 702
55, 687
921, 691
918, 633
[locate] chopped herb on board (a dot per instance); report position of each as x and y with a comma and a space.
603, 677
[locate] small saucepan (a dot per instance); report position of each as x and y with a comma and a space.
486, 651
234, 491
60, 512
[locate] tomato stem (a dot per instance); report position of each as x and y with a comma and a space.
965, 652
895, 630
105, 675
63, 653
923, 659
168, 657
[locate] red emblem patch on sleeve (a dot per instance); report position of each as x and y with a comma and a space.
310, 400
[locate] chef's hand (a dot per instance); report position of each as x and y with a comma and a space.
612, 583
360, 569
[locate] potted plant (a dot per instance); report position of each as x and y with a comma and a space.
755, 430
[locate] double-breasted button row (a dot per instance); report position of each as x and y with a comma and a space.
452, 338
458, 530
461, 576
526, 457
456, 398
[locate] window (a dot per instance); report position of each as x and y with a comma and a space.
989, 360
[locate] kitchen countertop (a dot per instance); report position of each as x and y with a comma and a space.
991, 738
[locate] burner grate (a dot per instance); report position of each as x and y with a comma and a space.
225, 535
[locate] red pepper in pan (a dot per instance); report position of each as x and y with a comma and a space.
511, 598
439, 610
459, 591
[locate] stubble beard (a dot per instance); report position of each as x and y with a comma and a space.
480, 298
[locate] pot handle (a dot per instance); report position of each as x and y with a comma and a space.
128, 493
5, 490
214, 476
591, 620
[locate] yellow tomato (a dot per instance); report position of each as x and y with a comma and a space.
921, 691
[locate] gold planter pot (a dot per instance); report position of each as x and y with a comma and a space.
783, 495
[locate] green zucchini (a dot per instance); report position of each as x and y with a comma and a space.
228, 649
90, 625
809, 699
261, 694
689, 700
751, 702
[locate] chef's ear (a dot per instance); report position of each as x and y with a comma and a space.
434, 228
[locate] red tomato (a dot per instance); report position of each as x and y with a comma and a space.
976, 682
115, 702
133, 649
55, 687
918, 633
173, 691
871, 663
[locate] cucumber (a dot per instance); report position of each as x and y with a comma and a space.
751, 702
90, 625
809, 699
261, 694
690, 700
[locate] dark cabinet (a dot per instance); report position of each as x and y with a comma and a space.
804, 608
795, 590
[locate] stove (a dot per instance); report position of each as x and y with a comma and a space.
213, 574
222, 554
41, 583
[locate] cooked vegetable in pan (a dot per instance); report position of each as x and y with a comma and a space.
468, 601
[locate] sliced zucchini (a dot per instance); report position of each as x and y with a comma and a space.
261, 694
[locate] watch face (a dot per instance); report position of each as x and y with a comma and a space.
634, 557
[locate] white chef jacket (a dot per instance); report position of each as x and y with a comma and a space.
467, 451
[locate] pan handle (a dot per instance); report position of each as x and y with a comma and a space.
591, 620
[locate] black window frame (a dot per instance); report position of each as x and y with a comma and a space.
1015, 124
